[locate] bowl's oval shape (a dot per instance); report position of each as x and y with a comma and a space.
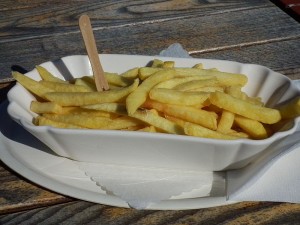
155, 149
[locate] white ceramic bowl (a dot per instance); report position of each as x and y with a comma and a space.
153, 149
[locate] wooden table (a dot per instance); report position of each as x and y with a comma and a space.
248, 31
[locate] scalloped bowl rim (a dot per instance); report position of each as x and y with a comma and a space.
135, 134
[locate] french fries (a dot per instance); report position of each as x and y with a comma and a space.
80, 120
192, 101
253, 127
45, 107
226, 122
190, 114
47, 76
195, 84
245, 108
64, 87
139, 96
291, 109
200, 131
31, 85
88, 98
42, 121
170, 84
170, 96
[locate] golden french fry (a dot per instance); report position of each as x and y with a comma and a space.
31, 85
157, 63
191, 85
80, 120
214, 69
88, 98
80, 81
111, 107
113, 79
117, 80
290, 109
235, 91
238, 134
200, 131
46, 75
255, 100
180, 122
178, 97
89, 79
145, 72
131, 74
89, 112
157, 121
64, 87
225, 79
168, 64
180, 80
123, 122
190, 114
147, 116
155, 112
226, 122
198, 66
150, 129
45, 107
212, 108
207, 89
136, 98
114, 87
133, 128
42, 121
244, 108
254, 128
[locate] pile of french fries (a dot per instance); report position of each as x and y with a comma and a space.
159, 98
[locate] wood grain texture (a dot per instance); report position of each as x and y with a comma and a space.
280, 56
89, 213
22, 20
198, 34
18, 194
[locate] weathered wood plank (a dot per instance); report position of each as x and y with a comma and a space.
18, 194
196, 34
88, 213
23, 20
280, 56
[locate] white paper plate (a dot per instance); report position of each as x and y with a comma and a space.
26, 155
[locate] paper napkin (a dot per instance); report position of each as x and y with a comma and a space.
140, 186
175, 50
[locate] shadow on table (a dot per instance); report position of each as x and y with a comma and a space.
63, 69
15, 132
